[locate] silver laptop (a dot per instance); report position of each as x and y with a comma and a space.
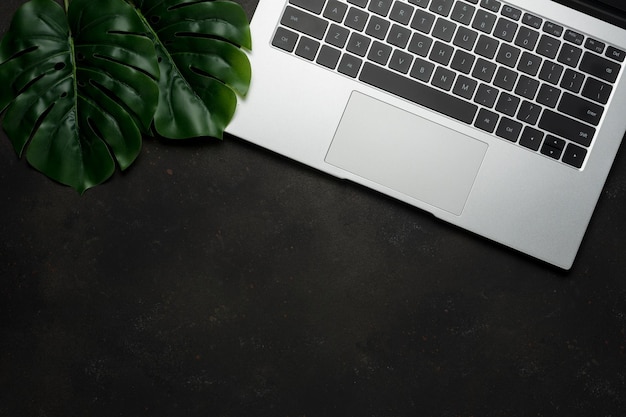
502, 118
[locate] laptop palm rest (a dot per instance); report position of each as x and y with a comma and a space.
406, 153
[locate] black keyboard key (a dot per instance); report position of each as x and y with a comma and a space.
507, 104
328, 57
567, 128
444, 30
462, 61
465, 38
574, 155
349, 65
492, 5
380, 7
441, 53
423, 21
285, 39
486, 95
529, 63
527, 87
529, 112
358, 44
553, 147
600, 67
548, 95
484, 70
570, 55
484, 21
572, 80
532, 21
597, 91
463, 13
505, 78
420, 44
307, 48
304, 22
574, 37
548, 46
314, 6
595, 45
418, 93
399, 36
401, 61
616, 54
581, 109
553, 29
356, 19
443, 78
527, 38
505, 30
486, 120
465, 87
508, 55
335, 10
509, 129
511, 12
441, 7
360, 3
379, 53
551, 72
337, 36
487, 46
422, 70
555, 142
531, 138
420, 3
378, 27
401, 12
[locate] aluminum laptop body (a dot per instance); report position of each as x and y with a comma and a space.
467, 172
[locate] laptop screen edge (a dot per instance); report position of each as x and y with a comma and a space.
613, 12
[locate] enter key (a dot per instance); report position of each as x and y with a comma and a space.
581, 109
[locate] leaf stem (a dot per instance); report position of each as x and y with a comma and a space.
67, 5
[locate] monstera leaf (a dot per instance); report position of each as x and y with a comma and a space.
202, 66
80, 85
77, 87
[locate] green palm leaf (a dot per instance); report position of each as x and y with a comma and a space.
203, 67
78, 88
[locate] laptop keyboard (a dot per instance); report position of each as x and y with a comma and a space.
525, 79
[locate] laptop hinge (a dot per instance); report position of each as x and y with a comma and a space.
599, 10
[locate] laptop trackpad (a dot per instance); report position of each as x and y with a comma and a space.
407, 153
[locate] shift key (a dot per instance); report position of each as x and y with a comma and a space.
567, 128
304, 22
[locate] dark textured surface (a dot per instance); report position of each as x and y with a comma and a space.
217, 279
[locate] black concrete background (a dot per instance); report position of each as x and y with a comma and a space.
218, 279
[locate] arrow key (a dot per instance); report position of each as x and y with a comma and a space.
574, 155
553, 147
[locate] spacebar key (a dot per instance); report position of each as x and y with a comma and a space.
418, 93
